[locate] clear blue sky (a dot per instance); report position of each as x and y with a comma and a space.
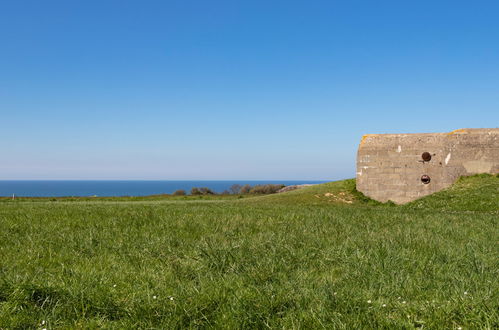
234, 89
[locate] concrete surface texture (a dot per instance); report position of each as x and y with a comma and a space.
405, 167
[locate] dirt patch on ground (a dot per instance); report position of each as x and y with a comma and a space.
340, 197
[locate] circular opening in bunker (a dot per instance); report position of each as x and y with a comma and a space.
426, 156
425, 179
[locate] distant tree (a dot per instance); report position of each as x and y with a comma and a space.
206, 191
225, 192
195, 191
179, 192
235, 188
245, 189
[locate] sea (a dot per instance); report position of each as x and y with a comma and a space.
63, 188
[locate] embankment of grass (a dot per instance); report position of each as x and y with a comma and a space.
470, 193
337, 192
473, 193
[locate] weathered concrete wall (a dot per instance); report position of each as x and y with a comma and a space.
391, 166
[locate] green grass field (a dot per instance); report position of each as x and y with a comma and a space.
320, 257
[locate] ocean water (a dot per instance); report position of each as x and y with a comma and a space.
59, 188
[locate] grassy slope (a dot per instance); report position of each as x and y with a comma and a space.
339, 192
304, 259
475, 193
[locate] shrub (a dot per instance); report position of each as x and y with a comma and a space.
245, 189
266, 189
235, 189
202, 191
195, 191
206, 191
179, 192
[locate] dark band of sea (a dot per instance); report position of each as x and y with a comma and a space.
105, 188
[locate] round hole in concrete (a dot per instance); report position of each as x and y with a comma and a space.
425, 179
426, 156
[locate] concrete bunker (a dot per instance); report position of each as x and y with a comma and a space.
405, 167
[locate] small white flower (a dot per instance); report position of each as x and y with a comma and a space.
114, 285
384, 305
335, 293
459, 328
465, 292
154, 297
171, 298
403, 302
43, 322
369, 301
399, 298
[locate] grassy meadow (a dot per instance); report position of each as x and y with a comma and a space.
320, 257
